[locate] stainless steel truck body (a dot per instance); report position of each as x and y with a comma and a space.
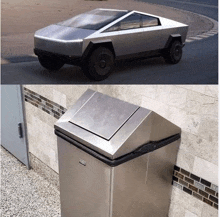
116, 34
115, 159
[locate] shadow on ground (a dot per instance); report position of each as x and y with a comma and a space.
18, 59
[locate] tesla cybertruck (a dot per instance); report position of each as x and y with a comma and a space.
95, 39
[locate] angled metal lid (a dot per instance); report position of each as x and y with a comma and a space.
103, 115
111, 126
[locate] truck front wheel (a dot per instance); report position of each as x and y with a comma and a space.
99, 64
174, 53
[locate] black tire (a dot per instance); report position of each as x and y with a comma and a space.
50, 63
99, 64
174, 53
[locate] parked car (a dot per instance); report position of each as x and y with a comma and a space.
95, 39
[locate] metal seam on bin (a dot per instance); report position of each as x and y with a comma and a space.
144, 149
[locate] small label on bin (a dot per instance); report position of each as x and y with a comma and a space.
82, 162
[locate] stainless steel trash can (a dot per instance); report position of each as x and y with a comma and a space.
115, 159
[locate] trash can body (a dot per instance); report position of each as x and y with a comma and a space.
120, 172
84, 189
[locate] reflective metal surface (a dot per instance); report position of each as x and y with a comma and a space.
61, 39
84, 189
72, 41
102, 115
140, 187
136, 127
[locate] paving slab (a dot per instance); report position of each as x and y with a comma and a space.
24, 193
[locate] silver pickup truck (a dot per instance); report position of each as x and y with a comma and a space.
95, 39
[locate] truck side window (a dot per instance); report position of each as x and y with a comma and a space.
113, 28
131, 22
147, 21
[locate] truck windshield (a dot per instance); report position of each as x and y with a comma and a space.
94, 19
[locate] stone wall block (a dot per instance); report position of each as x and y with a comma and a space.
206, 170
208, 211
182, 199
200, 147
185, 160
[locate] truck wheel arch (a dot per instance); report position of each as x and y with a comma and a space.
94, 45
172, 38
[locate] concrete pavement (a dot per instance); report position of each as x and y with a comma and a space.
24, 193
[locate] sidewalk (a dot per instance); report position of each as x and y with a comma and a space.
24, 193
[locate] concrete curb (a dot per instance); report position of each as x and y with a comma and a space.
208, 34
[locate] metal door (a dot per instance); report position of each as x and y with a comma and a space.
13, 127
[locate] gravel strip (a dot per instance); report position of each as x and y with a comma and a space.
24, 193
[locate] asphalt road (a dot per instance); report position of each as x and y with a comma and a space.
199, 64
204, 54
205, 7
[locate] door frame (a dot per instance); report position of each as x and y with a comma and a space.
25, 125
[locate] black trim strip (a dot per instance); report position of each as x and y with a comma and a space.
75, 60
146, 148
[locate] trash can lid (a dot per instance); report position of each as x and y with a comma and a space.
102, 115
112, 127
